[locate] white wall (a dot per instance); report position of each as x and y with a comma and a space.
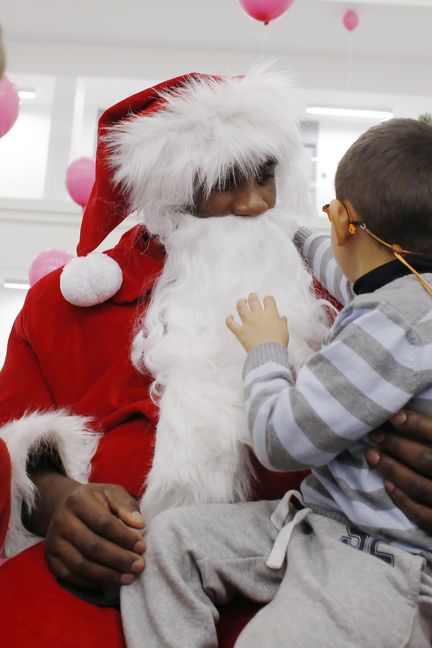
23, 154
333, 140
325, 73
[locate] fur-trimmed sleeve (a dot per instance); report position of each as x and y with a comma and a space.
5, 480
29, 421
75, 445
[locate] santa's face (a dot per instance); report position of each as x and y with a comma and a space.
211, 262
240, 196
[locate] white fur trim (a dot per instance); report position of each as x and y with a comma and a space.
198, 464
202, 132
75, 444
90, 280
201, 449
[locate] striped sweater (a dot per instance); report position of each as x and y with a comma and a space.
377, 358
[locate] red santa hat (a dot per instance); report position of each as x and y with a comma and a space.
156, 147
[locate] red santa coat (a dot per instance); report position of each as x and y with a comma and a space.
78, 359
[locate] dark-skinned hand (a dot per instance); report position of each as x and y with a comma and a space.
404, 459
93, 531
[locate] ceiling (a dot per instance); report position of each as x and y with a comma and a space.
397, 30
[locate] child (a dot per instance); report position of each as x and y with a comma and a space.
349, 569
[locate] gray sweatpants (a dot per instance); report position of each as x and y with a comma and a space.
335, 589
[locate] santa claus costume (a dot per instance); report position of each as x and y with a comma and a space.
121, 361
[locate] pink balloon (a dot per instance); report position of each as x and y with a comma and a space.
351, 20
80, 177
9, 105
47, 261
265, 10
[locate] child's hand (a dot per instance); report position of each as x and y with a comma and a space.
260, 323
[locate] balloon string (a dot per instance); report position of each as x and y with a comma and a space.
349, 62
264, 39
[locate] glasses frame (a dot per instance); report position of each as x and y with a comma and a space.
326, 210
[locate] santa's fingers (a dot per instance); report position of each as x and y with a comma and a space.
72, 566
124, 506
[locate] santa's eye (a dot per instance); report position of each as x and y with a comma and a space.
229, 183
266, 173
264, 178
235, 178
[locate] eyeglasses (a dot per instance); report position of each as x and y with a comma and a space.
397, 249
352, 223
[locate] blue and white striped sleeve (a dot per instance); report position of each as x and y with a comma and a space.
315, 249
366, 373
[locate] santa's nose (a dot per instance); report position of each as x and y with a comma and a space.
249, 200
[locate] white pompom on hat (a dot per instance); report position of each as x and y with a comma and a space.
90, 280
156, 147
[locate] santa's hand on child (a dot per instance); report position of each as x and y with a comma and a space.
260, 322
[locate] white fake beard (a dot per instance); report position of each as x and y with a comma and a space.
202, 441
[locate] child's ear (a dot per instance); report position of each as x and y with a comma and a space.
340, 222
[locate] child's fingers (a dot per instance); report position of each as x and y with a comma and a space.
254, 302
243, 309
232, 324
270, 304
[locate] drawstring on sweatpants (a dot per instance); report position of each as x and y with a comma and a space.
278, 553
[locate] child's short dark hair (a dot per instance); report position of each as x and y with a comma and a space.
387, 176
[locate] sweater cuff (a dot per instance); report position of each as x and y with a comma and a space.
267, 352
